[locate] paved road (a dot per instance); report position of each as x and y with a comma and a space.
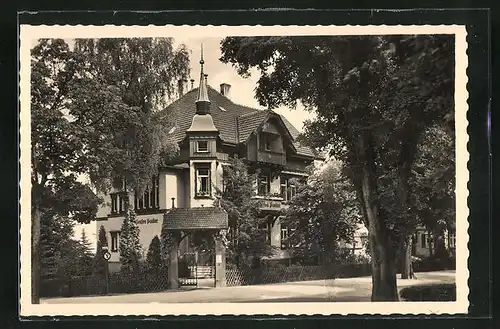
339, 290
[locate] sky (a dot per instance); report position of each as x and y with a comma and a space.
242, 92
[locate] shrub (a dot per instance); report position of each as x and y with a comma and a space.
434, 264
433, 292
154, 259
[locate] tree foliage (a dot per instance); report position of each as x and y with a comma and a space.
374, 97
62, 257
433, 180
55, 233
247, 238
94, 113
322, 213
129, 80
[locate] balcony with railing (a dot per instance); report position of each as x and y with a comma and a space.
278, 158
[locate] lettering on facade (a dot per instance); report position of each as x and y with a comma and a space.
147, 221
271, 204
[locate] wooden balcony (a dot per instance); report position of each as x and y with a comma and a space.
271, 157
222, 156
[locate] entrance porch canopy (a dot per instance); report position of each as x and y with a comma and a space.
192, 219
199, 218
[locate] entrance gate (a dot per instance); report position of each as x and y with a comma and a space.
211, 223
188, 269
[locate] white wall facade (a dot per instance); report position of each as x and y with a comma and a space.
149, 226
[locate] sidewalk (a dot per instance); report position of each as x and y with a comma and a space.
338, 290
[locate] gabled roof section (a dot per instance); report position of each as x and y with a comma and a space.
235, 122
249, 123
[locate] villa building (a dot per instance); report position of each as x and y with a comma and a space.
209, 129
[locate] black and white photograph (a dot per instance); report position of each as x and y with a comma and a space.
183, 170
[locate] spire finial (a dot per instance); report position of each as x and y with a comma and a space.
202, 103
201, 58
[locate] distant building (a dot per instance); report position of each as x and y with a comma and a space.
424, 242
357, 246
209, 129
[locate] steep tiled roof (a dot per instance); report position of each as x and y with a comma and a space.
247, 123
235, 122
195, 218
184, 109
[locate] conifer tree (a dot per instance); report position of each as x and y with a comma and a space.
99, 261
154, 258
130, 247
84, 240
55, 233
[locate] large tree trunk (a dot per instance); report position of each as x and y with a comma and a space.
384, 287
408, 225
35, 254
405, 259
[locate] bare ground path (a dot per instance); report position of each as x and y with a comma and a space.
339, 290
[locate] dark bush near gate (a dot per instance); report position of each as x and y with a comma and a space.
183, 267
433, 292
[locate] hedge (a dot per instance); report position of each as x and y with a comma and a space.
119, 282
281, 274
432, 292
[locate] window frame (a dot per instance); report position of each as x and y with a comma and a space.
287, 190
198, 181
266, 228
151, 194
267, 184
198, 150
453, 240
115, 236
284, 229
117, 203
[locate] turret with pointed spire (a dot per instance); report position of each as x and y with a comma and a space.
202, 103
202, 120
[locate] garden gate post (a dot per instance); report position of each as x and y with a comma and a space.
173, 268
220, 261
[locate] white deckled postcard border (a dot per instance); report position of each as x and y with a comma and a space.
29, 33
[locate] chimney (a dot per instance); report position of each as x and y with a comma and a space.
182, 86
173, 202
192, 83
225, 89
